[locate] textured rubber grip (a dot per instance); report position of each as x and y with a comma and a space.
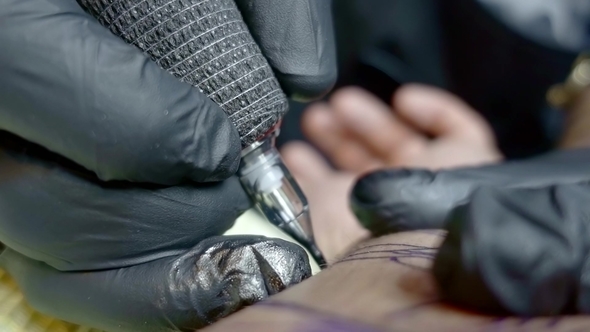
206, 44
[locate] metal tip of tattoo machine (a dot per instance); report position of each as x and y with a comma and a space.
276, 194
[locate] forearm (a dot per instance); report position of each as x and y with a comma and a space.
383, 285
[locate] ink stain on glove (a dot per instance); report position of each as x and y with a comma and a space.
233, 272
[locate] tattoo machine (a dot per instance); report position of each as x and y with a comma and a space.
207, 44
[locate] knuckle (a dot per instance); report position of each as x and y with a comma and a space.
405, 154
344, 95
212, 149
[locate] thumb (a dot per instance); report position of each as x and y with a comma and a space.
181, 293
440, 114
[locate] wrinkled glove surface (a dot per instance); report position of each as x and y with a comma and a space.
518, 233
116, 178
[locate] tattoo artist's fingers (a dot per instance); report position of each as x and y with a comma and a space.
296, 36
441, 114
71, 85
55, 211
324, 130
183, 293
374, 125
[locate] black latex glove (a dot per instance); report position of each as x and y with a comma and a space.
111, 254
518, 233
297, 38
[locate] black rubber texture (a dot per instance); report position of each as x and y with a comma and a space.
206, 44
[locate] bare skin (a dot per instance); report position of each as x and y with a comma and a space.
424, 127
384, 284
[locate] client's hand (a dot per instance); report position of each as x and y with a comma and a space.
424, 128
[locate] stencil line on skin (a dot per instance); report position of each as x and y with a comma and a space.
408, 251
326, 317
396, 254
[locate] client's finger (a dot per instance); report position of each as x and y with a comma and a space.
373, 123
440, 113
325, 130
305, 163
334, 225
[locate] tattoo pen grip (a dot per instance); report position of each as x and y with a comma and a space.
207, 44
268, 181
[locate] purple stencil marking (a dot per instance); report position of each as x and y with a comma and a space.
323, 322
403, 254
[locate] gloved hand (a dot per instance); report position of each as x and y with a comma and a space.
110, 170
297, 38
518, 233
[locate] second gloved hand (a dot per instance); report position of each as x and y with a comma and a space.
518, 233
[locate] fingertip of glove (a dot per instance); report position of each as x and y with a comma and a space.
274, 251
388, 201
307, 88
241, 270
377, 186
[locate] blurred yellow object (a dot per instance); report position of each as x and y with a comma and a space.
564, 95
17, 316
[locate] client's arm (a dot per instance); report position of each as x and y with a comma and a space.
384, 284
